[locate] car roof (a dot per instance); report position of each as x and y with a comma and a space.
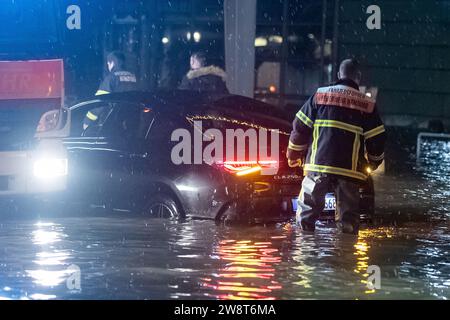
183, 102
162, 96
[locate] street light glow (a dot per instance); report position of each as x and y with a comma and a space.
197, 36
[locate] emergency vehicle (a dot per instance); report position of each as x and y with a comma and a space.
32, 157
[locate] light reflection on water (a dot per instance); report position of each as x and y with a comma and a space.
50, 262
198, 260
434, 167
248, 271
123, 257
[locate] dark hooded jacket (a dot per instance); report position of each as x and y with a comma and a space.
206, 79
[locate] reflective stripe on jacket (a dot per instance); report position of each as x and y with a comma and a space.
116, 81
333, 130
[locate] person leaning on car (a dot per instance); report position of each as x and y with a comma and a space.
204, 78
117, 80
330, 135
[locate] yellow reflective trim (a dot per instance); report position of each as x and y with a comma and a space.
304, 118
297, 147
374, 132
376, 158
91, 116
339, 125
101, 92
314, 144
356, 146
335, 170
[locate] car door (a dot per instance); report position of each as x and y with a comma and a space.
190, 183
122, 141
85, 174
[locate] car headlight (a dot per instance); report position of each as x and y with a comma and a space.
48, 168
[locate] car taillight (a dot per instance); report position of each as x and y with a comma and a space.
49, 121
243, 168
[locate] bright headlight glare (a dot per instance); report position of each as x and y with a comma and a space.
48, 168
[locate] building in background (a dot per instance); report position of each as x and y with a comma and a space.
298, 44
293, 50
157, 38
407, 59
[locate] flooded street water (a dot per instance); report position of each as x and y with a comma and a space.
119, 256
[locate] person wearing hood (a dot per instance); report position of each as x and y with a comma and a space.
203, 77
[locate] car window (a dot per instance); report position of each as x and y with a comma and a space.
128, 122
79, 114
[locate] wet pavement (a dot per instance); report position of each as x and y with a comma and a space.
119, 256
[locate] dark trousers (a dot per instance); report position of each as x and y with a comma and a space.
312, 200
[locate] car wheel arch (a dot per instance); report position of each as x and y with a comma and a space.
161, 188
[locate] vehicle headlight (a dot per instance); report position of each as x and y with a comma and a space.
48, 168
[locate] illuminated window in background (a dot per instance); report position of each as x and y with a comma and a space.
261, 42
276, 39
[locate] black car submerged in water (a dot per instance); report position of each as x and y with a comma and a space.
124, 161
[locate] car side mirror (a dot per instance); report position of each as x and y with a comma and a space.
54, 124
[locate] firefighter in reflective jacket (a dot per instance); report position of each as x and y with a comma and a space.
331, 135
117, 80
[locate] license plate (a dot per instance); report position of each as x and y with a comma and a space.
295, 204
330, 203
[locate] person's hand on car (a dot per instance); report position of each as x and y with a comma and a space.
294, 162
